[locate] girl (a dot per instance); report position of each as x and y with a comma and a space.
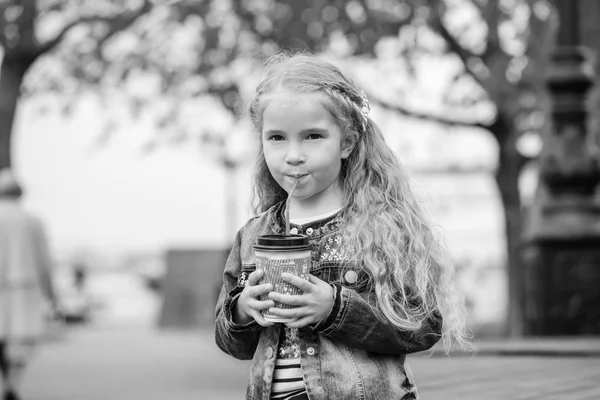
379, 287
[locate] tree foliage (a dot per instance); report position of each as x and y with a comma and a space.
168, 53
179, 50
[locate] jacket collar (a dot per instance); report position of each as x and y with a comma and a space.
320, 227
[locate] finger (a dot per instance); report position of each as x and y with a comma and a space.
255, 286
296, 312
260, 305
258, 290
258, 317
255, 277
299, 323
300, 283
288, 299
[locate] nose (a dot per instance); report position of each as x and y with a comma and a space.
294, 156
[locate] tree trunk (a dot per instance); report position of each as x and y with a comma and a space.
507, 179
12, 72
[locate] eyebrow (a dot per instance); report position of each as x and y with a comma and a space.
309, 130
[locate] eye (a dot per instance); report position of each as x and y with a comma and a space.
275, 138
314, 136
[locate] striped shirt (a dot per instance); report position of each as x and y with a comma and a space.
287, 379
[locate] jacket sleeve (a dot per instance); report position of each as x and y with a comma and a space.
239, 341
355, 322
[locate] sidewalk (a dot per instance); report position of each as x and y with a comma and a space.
140, 363
133, 363
566, 346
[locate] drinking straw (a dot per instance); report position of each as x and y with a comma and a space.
287, 208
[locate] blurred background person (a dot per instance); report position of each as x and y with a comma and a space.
26, 287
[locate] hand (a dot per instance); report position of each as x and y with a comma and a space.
311, 307
249, 306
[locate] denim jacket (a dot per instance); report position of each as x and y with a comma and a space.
356, 353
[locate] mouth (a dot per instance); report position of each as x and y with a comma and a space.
297, 176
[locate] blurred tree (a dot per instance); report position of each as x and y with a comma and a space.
22, 26
502, 49
141, 53
166, 54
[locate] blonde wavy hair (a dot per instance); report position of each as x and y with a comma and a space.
408, 266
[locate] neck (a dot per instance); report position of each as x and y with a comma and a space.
305, 209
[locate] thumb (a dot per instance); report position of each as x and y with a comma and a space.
316, 281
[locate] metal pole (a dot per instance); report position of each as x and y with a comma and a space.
568, 34
562, 252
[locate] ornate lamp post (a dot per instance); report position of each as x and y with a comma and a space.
562, 247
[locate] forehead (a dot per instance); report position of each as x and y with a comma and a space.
288, 108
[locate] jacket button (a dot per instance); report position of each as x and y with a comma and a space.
294, 231
310, 351
269, 352
351, 277
309, 231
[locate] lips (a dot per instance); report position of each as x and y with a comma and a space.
297, 176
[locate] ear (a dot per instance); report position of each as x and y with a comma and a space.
348, 144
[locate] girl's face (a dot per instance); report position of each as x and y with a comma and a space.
301, 139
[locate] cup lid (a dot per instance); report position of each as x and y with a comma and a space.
282, 242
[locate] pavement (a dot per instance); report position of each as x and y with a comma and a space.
133, 363
121, 355
139, 362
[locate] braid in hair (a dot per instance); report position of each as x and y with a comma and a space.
349, 101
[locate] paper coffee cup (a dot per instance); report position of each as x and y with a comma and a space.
282, 253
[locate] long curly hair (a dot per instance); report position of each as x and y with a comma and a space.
390, 233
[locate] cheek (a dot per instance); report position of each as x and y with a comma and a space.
268, 155
270, 160
267, 152
328, 170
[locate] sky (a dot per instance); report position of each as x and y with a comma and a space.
116, 197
